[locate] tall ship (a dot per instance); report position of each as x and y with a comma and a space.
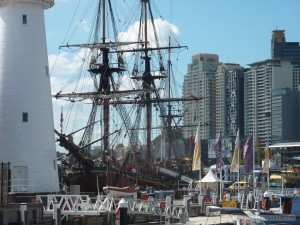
121, 125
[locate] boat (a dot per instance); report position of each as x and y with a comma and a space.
244, 184
121, 192
287, 212
281, 202
125, 96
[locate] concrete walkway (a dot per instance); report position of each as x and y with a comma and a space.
209, 220
205, 220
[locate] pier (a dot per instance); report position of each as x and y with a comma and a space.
59, 209
102, 206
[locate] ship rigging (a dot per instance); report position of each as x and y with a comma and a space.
109, 58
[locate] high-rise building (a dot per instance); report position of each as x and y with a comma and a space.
285, 115
220, 103
227, 147
280, 49
260, 80
199, 81
229, 90
27, 139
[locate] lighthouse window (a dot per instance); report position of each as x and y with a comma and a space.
25, 116
47, 71
24, 19
54, 164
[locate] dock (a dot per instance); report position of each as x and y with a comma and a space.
98, 210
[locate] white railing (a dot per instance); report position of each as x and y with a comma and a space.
84, 205
284, 191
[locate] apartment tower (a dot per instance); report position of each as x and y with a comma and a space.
199, 81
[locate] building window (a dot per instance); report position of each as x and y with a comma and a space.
25, 117
24, 19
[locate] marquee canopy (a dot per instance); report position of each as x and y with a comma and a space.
210, 177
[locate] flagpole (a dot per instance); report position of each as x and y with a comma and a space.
221, 182
253, 161
269, 154
218, 152
268, 165
268, 180
238, 149
200, 177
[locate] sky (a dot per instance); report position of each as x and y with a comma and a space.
239, 31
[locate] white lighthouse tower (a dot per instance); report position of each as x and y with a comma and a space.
27, 139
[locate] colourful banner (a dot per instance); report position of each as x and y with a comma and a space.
235, 164
197, 151
248, 154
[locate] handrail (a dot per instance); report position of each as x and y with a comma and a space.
85, 205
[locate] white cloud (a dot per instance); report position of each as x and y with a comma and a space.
164, 30
67, 67
65, 63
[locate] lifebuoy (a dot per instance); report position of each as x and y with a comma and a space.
117, 213
263, 204
162, 205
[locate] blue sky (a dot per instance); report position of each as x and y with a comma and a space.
239, 31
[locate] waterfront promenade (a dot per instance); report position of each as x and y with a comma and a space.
210, 214
209, 220
83, 210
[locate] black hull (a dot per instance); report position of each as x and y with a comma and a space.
90, 180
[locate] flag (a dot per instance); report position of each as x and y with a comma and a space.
218, 151
197, 151
235, 164
61, 119
267, 159
248, 154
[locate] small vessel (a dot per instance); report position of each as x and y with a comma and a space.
288, 212
121, 192
244, 184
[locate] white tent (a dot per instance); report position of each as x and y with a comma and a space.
210, 180
210, 177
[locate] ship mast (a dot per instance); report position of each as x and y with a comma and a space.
104, 85
147, 81
169, 116
108, 55
146, 93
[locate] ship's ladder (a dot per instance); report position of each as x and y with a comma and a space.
244, 201
257, 198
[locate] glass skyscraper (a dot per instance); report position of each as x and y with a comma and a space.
280, 49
